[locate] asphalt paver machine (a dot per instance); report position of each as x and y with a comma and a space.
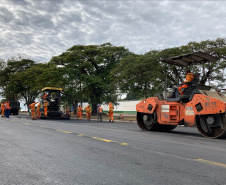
52, 96
198, 106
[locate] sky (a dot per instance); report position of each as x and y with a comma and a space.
40, 29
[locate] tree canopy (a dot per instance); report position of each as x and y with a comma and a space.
87, 69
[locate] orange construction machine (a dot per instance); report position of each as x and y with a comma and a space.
50, 104
197, 106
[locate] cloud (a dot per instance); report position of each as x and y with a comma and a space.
45, 28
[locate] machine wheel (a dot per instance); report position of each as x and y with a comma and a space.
212, 125
147, 121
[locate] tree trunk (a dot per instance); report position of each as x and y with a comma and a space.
75, 105
94, 109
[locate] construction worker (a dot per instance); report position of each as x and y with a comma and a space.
88, 112
7, 109
111, 107
38, 111
189, 77
3, 108
45, 107
79, 112
33, 113
67, 111
99, 113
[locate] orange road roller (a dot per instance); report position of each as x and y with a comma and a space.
198, 106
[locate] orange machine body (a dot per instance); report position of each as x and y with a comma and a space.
173, 113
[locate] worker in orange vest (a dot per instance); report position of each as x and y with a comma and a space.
88, 112
33, 113
7, 109
189, 77
45, 107
79, 112
67, 111
111, 107
3, 108
38, 110
99, 113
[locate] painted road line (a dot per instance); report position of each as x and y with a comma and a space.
211, 162
106, 140
67, 132
124, 144
97, 138
80, 135
42, 126
27, 124
64, 131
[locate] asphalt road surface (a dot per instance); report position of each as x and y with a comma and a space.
82, 152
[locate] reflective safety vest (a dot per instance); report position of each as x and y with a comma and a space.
111, 108
79, 109
38, 107
7, 105
32, 106
45, 104
88, 109
100, 109
2, 106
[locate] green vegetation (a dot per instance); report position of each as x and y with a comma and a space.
100, 73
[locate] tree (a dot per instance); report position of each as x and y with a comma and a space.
138, 75
12, 67
213, 71
87, 70
19, 79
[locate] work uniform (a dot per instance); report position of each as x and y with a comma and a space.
189, 77
99, 113
111, 107
3, 109
45, 107
88, 112
67, 111
79, 112
7, 109
33, 113
38, 111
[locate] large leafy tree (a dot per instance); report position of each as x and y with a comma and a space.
138, 75
19, 79
9, 68
87, 69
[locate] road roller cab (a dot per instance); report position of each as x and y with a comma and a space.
197, 106
51, 99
